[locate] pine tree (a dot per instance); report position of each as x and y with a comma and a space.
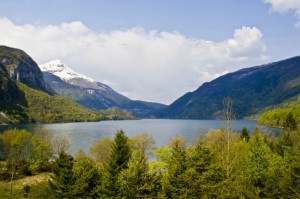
176, 186
290, 122
137, 181
87, 177
62, 180
204, 175
118, 161
245, 134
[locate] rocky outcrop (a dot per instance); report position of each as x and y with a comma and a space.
21, 67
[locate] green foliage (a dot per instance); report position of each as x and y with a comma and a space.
263, 167
62, 181
144, 142
41, 150
87, 178
137, 181
43, 107
204, 176
282, 117
16, 147
101, 150
290, 122
118, 161
29, 105
176, 167
245, 134
115, 113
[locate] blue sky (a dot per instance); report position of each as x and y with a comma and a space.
153, 50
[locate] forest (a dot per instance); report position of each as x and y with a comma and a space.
219, 164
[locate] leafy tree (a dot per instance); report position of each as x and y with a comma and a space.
41, 149
60, 143
144, 142
62, 180
16, 147
216, 141
101, 150
118, 161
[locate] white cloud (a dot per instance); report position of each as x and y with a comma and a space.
283, 6
145, 65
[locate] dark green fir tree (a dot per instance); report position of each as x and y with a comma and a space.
62, 181
118, 161
245, 134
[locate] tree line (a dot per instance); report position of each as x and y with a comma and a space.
220, 164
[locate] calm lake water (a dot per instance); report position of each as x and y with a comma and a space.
83, 135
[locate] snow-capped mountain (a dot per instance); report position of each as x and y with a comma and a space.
65, 73
92, 94
56, 67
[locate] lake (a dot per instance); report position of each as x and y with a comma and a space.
82, 135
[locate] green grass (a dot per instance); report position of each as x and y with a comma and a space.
38, 187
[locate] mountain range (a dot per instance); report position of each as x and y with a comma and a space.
28, 93
92, 94
252, 91
26, 97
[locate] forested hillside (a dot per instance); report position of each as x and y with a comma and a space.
251, 89
24, 96
283, 114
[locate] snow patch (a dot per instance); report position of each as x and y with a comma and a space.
61, 70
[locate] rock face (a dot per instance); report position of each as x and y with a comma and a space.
251, 89
21, 67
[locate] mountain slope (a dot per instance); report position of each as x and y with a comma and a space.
251, 89
87, 92
21, 67
24, 96
276, 115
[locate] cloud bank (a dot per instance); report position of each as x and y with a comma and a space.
283, 6
141, 64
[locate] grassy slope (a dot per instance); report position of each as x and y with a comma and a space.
38, 187
277, 115
43, 107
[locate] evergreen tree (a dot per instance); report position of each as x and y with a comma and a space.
86, 176
137, 181
264, 170
118, 161
290, 122
62, 181
204, 175
176, 186
245, 134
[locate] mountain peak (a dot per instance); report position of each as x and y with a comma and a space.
61, 70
